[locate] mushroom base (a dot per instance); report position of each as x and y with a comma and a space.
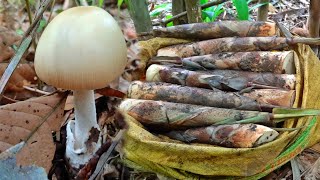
80, 156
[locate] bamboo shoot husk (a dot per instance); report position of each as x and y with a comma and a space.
228, 44
258, 61
197, 96
220, 79
232, 136
219, 29
275, 97
167, 115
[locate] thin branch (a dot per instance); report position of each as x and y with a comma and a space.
41, 10
36, 90
28, 10
105, 156
10, 99
284, 30
209, 4
263, 10
30, 19
51, 11
303, 40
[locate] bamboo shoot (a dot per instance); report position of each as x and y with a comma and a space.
228, 44
256, 61
219, 29
166, 115
160, 91
275, 97
220, 79
259, 61
232, 136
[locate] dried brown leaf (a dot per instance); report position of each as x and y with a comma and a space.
314, 171
316, 148
7, 39
107, 91
32, 121
23, 75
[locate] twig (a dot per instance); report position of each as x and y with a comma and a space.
209, 4
105, 156
30, 19
36, 90
303, 40
284, 30
91, 165
283, 14
27, 38
10, 99
43, 7
51, 11
28, 10
263, 10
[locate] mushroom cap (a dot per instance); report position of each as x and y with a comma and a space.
82, 48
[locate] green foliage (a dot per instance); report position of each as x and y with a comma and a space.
120, 2
42, 25
160, 8
203, 1
100, 3
32, 2
210, 14
170, 23
242, 9
20, 32
93, 2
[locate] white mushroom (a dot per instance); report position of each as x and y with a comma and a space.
81, 49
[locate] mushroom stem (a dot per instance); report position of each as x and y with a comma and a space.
86, 126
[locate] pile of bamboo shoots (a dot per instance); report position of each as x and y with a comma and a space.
221, 91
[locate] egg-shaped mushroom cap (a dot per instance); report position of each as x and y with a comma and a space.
81, 48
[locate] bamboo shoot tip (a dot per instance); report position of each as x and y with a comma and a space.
152, 73
267, 136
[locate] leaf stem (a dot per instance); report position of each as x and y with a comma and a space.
30, 19
51, 11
